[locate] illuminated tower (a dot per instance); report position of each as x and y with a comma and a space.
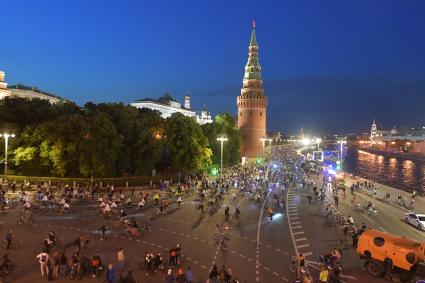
252, 104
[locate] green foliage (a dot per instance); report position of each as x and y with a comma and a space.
224, 124
100, 140
187, 147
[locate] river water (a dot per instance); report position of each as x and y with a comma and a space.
398, 173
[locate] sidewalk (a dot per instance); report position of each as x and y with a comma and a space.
382, 190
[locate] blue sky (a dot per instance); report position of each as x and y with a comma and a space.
316, 55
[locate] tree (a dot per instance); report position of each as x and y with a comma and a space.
224, 123
187, 147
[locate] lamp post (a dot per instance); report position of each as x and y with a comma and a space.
221, 138
6, 143
318, 140
263, 140
341, 142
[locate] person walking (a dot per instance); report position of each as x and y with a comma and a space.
43, 257
170, 277
188, 275
56, 265
110, 274
213, 274
9, 239
120, 258
63, 265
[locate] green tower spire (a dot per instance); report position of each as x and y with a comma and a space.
253, 41
253, 68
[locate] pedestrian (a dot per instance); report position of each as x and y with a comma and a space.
355, 238
188, 275
346, 229
228, 275
180, 276
309, 197
214, 273
169, 278
120, 258
172, 254
222, 274
307, 278
132, 190
63, 265
336, 200
110, 274
178, 255
9, 239
43, 257
56, 265
324, 275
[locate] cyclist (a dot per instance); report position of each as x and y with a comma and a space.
6, 265
226, 213
9, 239
156, 198
158, 261
270, 213
102, 232
237, 212
52, 237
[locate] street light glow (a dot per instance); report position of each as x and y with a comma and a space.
221, 138
6, 137
306, 141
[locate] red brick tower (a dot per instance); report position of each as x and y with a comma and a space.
252, 104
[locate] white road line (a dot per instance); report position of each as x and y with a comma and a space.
303, 246
297, 227
296, 222
307, 254
260, 218
297, 233
300, 239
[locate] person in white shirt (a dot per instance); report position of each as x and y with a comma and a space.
43, 258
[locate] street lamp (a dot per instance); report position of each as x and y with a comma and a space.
263, 140
341, 142
221, 138
318, 140
6, 142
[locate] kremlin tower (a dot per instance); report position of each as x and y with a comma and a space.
252, 104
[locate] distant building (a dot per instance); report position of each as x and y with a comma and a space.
4, 92
396, 139
204, 117
27, 92
168, 105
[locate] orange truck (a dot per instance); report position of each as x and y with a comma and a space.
392, 256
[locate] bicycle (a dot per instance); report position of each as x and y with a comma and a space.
293, 265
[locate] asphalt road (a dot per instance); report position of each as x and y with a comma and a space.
256, 250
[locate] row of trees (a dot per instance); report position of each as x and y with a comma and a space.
110, 139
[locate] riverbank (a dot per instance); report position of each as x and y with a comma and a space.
382, 190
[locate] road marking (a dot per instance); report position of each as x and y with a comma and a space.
297, 227
300, 239
307, 254
296, 222
260, 218
303, 246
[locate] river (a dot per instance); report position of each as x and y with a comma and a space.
394, 172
